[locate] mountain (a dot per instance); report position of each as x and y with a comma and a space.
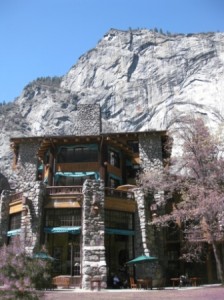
142, 79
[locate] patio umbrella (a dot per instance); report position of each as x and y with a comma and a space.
43, 255
141, 259
126, 187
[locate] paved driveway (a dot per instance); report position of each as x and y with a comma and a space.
199, 293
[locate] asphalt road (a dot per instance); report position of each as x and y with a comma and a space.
198, 293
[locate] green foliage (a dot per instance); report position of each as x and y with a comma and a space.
21, 274
23, 295
54, 81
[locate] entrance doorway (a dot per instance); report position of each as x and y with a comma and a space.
65, 248
119, 249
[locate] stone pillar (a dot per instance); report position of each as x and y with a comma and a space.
93, 248
141, 239
150, 152
27, 163
32, 215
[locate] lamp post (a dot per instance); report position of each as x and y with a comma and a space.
71, 258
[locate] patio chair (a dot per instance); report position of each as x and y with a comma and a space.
133, 285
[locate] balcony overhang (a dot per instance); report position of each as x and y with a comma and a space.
64, 201
15, 207
116, 139
120, 204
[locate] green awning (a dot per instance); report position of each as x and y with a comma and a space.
14, 232
70, 229
43, 255
119, 231
77, 174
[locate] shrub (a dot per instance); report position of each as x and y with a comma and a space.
20, 273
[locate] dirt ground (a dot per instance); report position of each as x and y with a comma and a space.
215, 292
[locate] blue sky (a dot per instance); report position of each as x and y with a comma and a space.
41, 38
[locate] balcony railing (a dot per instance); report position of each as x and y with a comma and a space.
77, 167
16, 197
119, 194
64, 190
77, 191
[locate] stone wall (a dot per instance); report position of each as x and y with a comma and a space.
26, 168
150, 151
93, 259
31, 215
25, 173
88, 120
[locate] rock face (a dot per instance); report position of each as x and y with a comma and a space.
142, 80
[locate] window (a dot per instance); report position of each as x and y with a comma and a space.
113, 183
119, 220
74, 252
131, 172
113, 158
173, 232
63, 217
72, 181
15, 221
134, 146
39, 172
88, 153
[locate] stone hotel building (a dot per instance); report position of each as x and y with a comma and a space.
77, 196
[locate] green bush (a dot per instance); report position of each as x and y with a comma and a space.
21, 274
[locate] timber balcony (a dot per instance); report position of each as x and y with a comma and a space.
16, 197
77, 190
72, 197
128, 195
64, 197
119, 200
79, 167
64, 190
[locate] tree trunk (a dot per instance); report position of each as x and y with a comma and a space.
218, 262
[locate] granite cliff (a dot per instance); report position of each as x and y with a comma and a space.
143, 80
